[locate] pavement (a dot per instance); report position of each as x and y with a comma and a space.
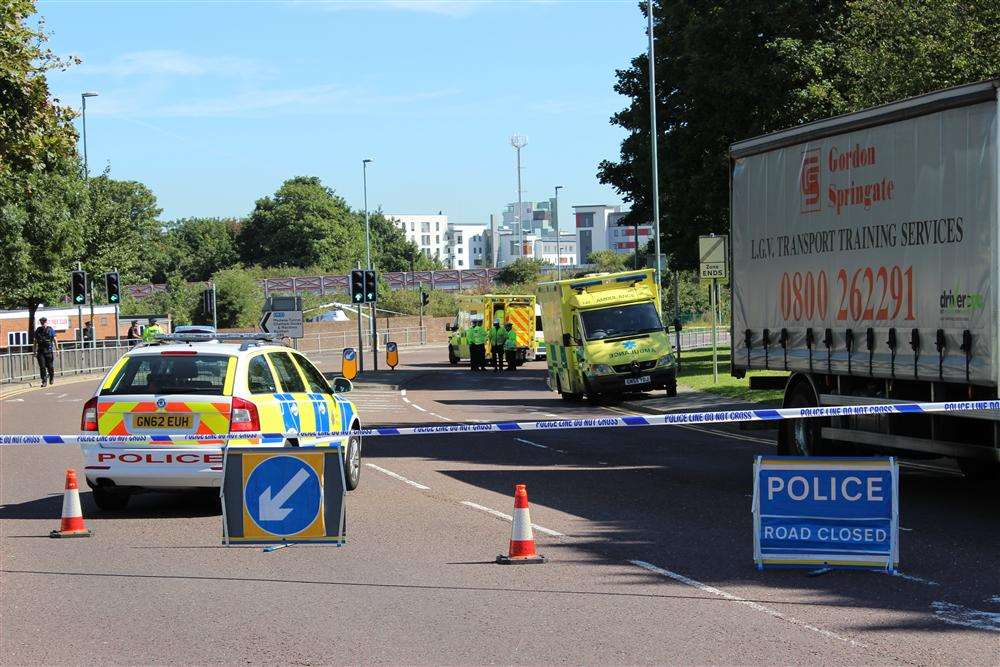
647, 531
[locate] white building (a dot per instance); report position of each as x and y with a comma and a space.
538, 246
428, 231
597, 228
466, 243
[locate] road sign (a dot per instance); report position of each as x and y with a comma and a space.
832, 512
281, 494
712, 251
391, 354
283, 323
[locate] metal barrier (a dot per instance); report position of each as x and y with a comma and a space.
100, 356
696, 339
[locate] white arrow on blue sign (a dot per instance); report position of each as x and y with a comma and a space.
283, 495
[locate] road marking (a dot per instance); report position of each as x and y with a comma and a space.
529, 442
399, 477
995, 598
402, 392
60, 396
956, 614
418, 407
406, 400
919, 580
743, 601
507, 517
15, 400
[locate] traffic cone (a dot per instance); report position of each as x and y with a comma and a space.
522, 541
72, 516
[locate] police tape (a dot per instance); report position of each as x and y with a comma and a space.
628, 421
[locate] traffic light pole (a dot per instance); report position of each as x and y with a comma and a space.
118, 332
93, 330
361, 340
79, 321
374, 338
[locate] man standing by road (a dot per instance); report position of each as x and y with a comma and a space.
45, 351
498, 340
510, 347
88, 332
476, 336
150, 332
133, 333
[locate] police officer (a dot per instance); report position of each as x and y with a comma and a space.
45, 351
476, 335
498, 340
510, 347
150, 332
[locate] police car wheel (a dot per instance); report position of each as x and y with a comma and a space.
109, 500
352, 463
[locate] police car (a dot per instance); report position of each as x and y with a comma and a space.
207, 384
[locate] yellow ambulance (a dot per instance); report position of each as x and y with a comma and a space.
604, 335
518, 309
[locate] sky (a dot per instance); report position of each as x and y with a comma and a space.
213, 104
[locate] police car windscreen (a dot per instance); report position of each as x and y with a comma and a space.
621, 321
156, 374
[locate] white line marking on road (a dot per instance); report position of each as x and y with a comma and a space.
737, 599
919, 580
507, 517
15, 400
956, 614
418, 407
995, 598
405, 399
908, 530
399, 477
61, 396
402, 392
529, 442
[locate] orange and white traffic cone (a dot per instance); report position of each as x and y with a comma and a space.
522, 541
72, 516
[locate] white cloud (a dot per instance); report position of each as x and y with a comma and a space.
164, 62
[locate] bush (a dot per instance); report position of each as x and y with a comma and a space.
521, 271
239, 299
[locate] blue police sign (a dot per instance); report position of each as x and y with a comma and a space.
283, 495
833, 512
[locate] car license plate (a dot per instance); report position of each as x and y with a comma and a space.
164, 421
645, 379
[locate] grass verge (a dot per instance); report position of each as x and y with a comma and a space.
696, 373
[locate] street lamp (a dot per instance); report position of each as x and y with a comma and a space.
83, 98
368, 259
652, 141
558, 238
519, 141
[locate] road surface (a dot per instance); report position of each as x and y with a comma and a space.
647, 531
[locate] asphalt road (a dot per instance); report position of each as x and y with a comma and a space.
648, 533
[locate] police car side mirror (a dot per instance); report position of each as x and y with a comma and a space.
342, 385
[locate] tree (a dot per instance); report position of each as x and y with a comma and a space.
304, 224
607, 261
121, 227
35, 131
391, 251
238, 298
199, 247
718, 79
521, 271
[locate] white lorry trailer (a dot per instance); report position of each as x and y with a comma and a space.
864, 256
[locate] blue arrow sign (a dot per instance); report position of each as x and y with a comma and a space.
283, 495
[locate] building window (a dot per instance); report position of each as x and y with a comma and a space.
437, 238
458, 239
460, 263
425, 227
17, 338
584, 220
413, 226
437, 226
425, 240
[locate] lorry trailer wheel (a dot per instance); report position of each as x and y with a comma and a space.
801, 437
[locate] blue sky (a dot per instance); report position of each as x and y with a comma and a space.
213, 104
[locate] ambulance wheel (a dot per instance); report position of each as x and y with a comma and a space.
672, 389
352, 462
593, 396
109, 500
452, 359
802, 437
566, 395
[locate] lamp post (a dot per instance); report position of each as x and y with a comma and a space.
519, 141
558, 238
368, 259
652, 141
83, 99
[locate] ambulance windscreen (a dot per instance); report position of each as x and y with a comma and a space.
621, 321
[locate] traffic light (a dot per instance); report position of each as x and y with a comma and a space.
79, 287
425, 298
371, 287
357, 286
207, 301
112, 287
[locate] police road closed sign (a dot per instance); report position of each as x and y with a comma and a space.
712, 254
283, 494
832, 512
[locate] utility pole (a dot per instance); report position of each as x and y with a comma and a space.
519, 141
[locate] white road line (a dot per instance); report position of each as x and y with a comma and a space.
402, 392
919, 580
743, 601
405, 399
399, 477
418, 407
529, 442
507, 517
956, 614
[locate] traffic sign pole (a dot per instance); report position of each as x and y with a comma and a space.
715, 322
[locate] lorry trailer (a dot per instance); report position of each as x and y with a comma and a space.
864, 255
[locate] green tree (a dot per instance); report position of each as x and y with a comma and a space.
607, 261
718, 79
199, 247
303, 225
238, 298
391, 251
521, 271
180, 300
35, 131
121, 227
